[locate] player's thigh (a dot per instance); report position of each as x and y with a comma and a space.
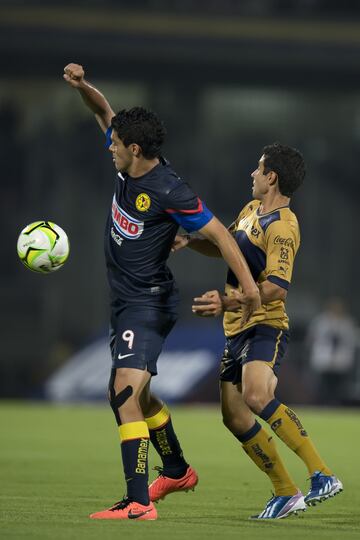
138, 335
258, 377
265, 351
131, 381
232, 402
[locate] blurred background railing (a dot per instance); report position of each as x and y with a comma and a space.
227, 78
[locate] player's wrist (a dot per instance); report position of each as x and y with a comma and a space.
188, 238
229, 304
83, 85
251, 292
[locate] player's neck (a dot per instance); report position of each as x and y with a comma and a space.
273, 201
142, 166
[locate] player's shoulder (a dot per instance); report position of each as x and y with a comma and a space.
250, 207
279, 218
166, 179
288, 220
283, 227
286, 214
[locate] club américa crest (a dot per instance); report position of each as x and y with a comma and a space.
143, 202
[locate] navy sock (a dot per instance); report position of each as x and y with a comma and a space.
168, 447
135, 462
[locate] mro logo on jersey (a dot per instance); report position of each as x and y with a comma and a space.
128, 226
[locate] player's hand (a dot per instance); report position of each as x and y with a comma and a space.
74, 75
180, 241
250, 302
208, 305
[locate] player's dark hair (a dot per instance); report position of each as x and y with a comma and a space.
142, 127
288, 164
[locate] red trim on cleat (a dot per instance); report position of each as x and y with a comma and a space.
163, 485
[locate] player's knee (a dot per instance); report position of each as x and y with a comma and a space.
233, 422
228, 422
117, 400
255, 400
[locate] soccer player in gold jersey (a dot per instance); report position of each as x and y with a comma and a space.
268, 235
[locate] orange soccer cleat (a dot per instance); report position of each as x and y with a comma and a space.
126, 509
163, 485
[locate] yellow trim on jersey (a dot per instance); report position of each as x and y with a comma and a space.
133, 430
159, 419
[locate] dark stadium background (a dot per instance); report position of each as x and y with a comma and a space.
227, 77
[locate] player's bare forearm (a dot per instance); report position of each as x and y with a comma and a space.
74, 75
97, 103
204, 246
217, 234
269, 292
201, 245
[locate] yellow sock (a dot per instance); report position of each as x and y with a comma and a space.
287, 426
261, 448
159, 419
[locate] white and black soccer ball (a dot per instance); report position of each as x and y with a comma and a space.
43, 247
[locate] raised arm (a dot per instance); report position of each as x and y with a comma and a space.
93, 99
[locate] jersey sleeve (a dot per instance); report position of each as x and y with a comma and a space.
246, 210
108, 137
186, 208
282, 242
233, 227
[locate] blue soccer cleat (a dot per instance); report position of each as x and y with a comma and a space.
281, 507
322, 487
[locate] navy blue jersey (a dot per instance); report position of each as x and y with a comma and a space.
145, 215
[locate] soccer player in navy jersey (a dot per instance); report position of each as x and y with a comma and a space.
149, 204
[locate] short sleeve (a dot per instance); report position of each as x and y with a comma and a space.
234, 226
248, 208
108, 137
282, 242
186, 208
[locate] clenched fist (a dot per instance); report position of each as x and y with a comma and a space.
74, 75
210, 304
180, 241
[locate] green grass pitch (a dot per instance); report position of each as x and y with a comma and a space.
59, 463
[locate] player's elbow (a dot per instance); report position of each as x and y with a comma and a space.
282, 294
279, 294
270, 292
216, 232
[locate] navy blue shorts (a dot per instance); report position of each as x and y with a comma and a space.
259, 342
137, 334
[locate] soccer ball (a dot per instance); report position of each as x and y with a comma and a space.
43, 247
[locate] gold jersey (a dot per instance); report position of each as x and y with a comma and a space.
269, 243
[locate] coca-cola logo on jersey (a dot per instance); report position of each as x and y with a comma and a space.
126, 225
288, 242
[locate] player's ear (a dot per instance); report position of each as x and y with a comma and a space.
273, 177
136, 150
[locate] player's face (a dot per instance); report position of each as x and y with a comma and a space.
260, 180
122, 156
